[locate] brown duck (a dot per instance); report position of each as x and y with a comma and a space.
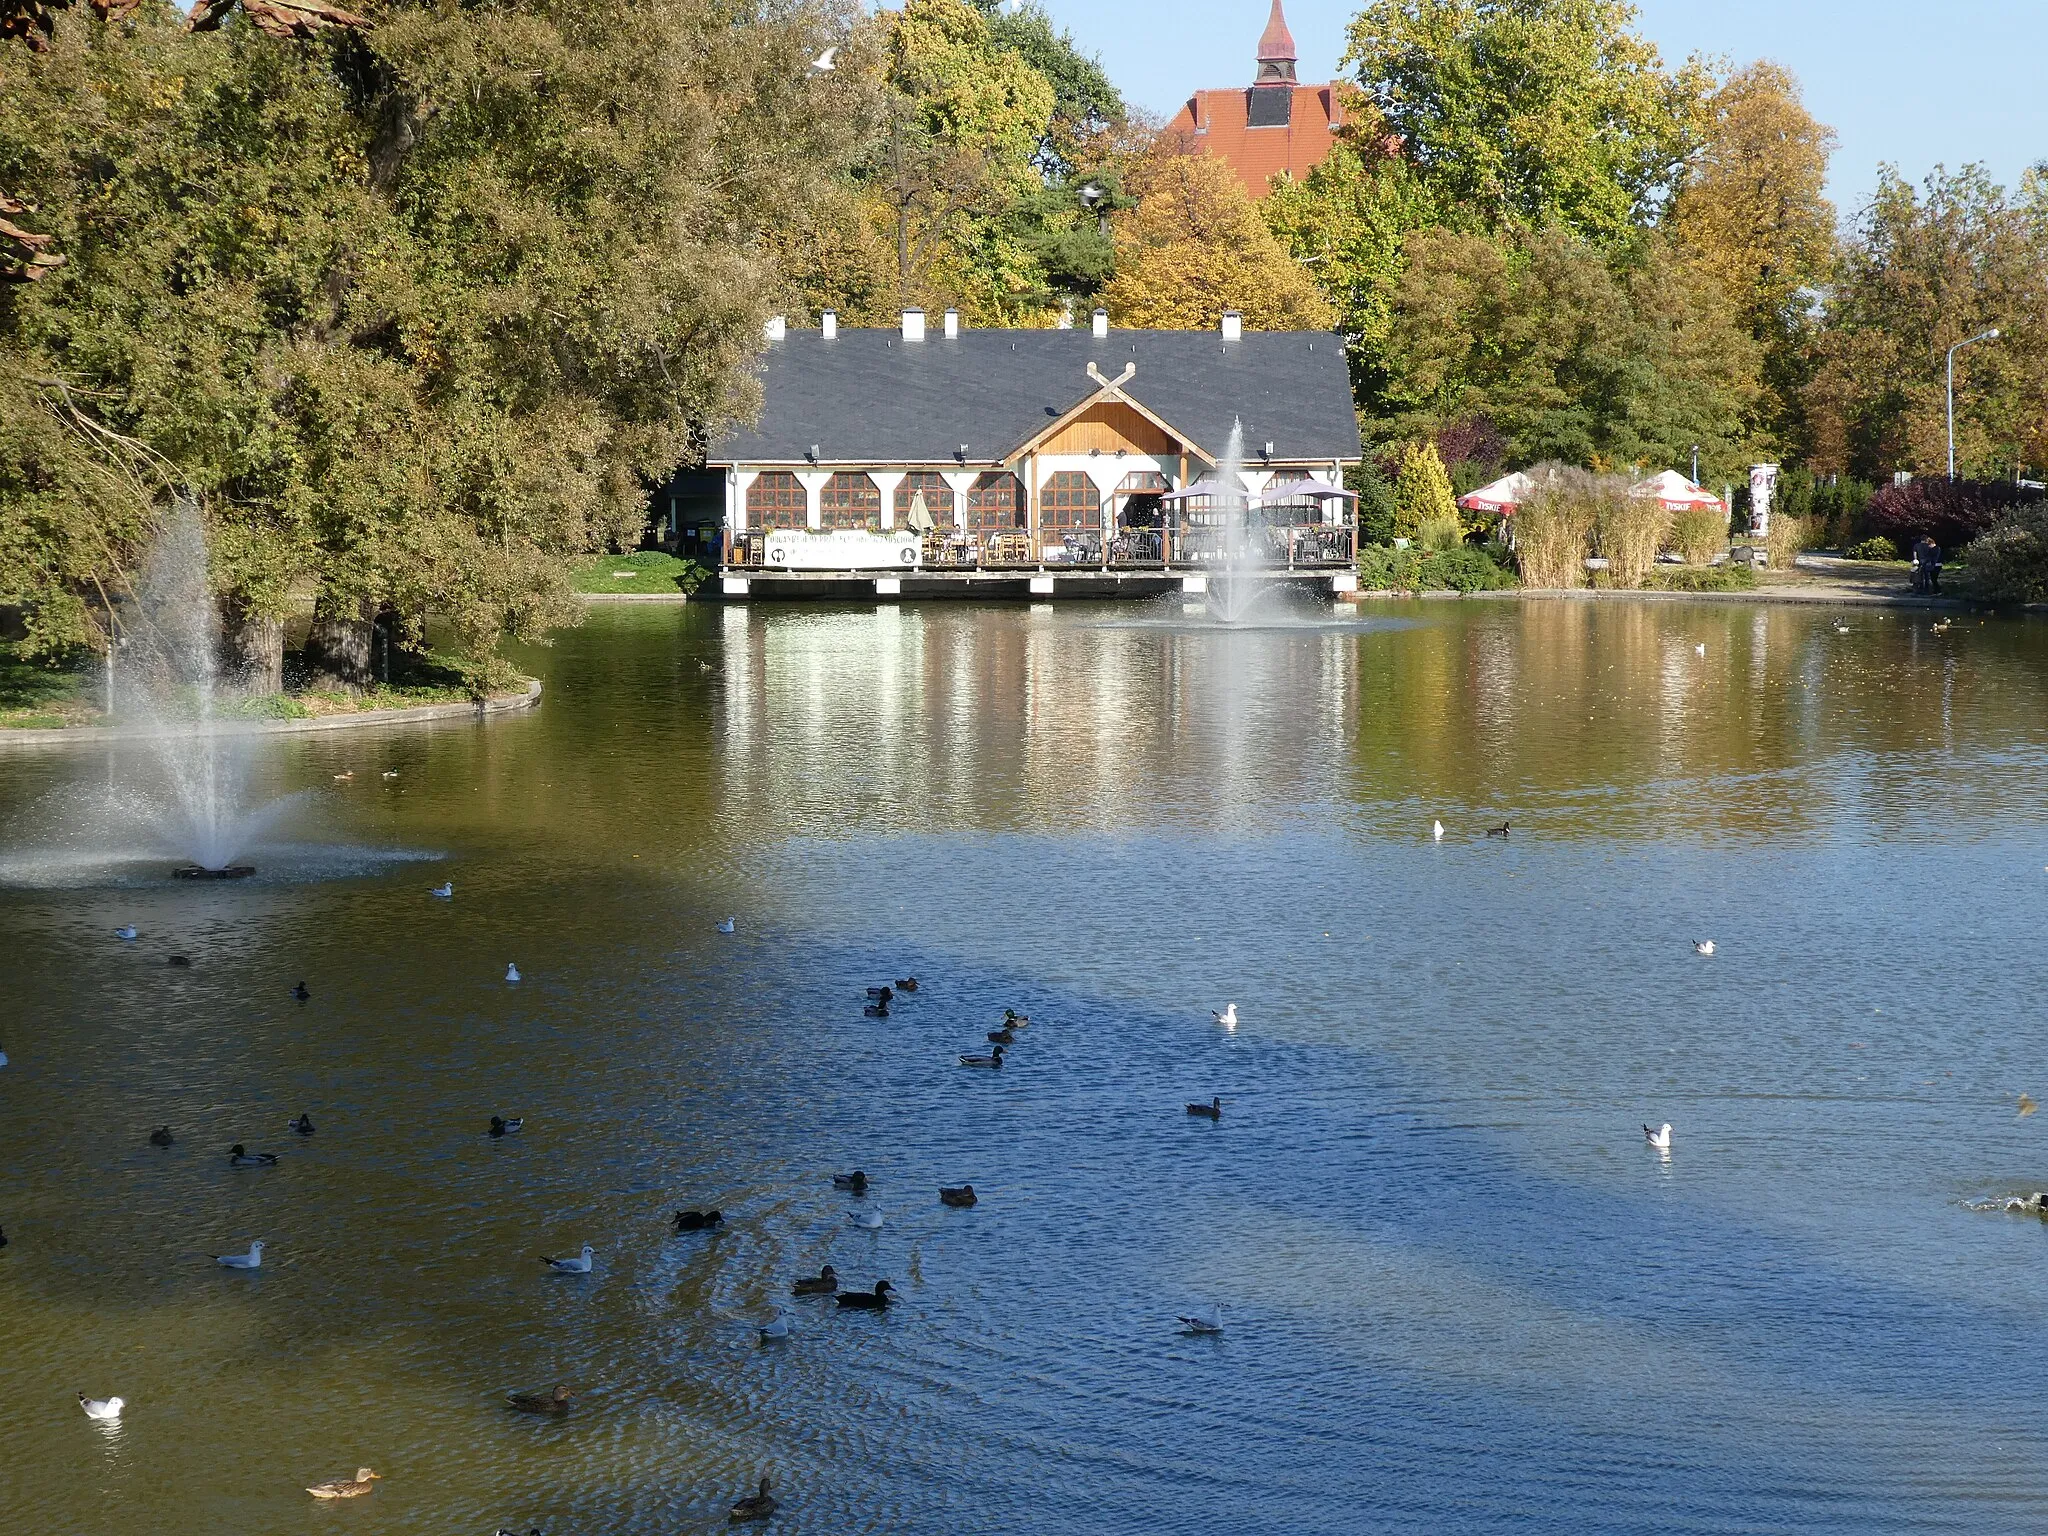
755, 1506
345, 1487
963, 1196
555, 1402
824, 1283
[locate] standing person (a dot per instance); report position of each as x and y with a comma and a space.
1926, 564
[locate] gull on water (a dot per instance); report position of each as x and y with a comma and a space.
1659, 1138
870, 1220
776, 1327
253, 1259
102, 1408
579, 1265
1228, 1017
1436, 831
1699, 650
727, 925
1703, 946
125, 933
445, 890
511, 972
1203, 1322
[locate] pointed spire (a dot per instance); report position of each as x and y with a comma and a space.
1276, 50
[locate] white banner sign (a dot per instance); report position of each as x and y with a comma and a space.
840, 549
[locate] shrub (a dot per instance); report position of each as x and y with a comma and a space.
1422, 492
1699, 534
2009, 561
1729, 577
1462, 569
1788, 536
1552, 528
1878, 548
1440, 533
1375, 502
1951, 512
1630, 531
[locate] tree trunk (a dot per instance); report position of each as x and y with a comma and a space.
251, 650
338, 644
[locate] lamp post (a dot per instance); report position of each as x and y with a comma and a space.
1695, 463
1968, 341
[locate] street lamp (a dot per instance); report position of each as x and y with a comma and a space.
1969, 341
1695, 463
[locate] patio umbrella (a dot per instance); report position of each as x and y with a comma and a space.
920, 514
1675, 493
1502, 496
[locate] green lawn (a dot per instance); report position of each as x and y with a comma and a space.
650, 571
37, 695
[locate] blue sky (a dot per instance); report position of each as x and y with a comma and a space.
1913, 82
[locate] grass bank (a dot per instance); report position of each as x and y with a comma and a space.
647, 572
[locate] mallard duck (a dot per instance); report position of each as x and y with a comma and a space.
102, 1408
240, 1157
343, 778
346, 1487
992, 1059
303, 1125
875, 1010
1012, 1019
962, 1197
390, 773
299, 991
882, 995
1499, 831
855, 1182
824, 1283
555, 1401
179, 962
1659, 1138
755, 1506
867, 1301
906, 984
161, 1136
501, 1126
698, 1221
253, 1259
580, 1265
1213, 1110
1003, 1036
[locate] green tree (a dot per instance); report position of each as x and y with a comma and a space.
1424, 509
1522, 114
1925, 270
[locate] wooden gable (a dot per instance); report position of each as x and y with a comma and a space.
1108, 426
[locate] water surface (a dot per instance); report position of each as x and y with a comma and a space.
1460, 1292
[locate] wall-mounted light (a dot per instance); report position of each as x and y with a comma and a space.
1267, 450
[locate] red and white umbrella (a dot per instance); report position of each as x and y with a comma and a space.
1502, 496
1675, 493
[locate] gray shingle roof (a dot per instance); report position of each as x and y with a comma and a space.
868, 396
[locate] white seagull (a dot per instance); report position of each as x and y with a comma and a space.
1659, 1138
1699, 650
1228, 1017
575, 1266
1204, 1322
101, 1408
776, 1328
822, 64
511, 973
1436, 831
869, 1220
253, 1259
125, 933
1703, 946
445, 890
727, 925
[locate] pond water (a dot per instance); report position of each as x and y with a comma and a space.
1459, 1290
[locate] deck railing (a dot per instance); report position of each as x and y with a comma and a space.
1290, 547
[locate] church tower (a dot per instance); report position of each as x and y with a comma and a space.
1277, 57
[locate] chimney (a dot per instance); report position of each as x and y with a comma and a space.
828, 322
776, 328
913, 325
1101, 325
952, 323
1233, 326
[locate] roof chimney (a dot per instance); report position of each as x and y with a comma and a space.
828, 322
913, 325
1101, 325
1277, 55
1233, 325
776, 328
952, 323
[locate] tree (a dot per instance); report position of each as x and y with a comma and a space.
1752, 213
1085, 101
1923, 271
1195, 246
413, 312
1523, 114
1423, 506
1566, 358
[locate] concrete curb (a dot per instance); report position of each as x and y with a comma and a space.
471, 709
1785, 595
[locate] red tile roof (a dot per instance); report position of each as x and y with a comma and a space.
1217, 123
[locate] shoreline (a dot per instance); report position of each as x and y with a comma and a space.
475, 709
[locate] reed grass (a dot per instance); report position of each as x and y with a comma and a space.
1699, 534
1554, 526
1630, 530
1787, 537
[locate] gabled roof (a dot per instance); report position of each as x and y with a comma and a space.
870, 397
1220, 123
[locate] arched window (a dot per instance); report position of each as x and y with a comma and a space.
995, 503
849, 500
938, 498
1068, 503
1137, 498
776, 500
